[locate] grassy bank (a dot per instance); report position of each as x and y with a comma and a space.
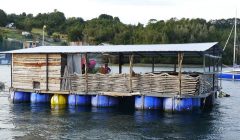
11, 33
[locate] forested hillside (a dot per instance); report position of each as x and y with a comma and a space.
108, 29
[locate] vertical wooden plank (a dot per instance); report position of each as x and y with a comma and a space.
204, 63
131, 71
120, 62
153, 62
180, 59
12, 71
175, 66
47, 72
86, 73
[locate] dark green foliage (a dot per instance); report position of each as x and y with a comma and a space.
55, 22
75, 33
109, 29
3, 18
102, 29
1, 38
74, 29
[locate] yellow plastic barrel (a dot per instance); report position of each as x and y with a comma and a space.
58, 99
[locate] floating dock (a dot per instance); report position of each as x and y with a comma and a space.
69, 75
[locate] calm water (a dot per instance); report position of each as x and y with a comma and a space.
27, 121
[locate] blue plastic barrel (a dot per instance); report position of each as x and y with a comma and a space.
40, 98
83, 100
148, 102
183, 104
21, 97
112, 101
168, 104
152, 102
74, 99
196, 103
94, 100
104, 101
139, 102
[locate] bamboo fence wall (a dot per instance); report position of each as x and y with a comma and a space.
145, 83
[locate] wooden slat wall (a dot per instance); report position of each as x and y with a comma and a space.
144, 83
32, 67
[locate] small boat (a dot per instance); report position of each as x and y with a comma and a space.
234, 73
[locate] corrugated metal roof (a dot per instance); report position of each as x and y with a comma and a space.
188, 47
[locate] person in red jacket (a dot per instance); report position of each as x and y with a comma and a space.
105, 69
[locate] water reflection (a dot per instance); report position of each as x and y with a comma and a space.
54, 122
78, 109
58, 110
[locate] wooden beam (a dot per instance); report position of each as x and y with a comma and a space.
47, 72
12, 71
153, 62
131, 72
175, 66
180, 59
120, 62
86, 72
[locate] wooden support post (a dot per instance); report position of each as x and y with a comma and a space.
204, 63
175, 66
47, 72
73, 67
12, 72
209, 65
120, 62
86, 72
153, 62
131, 72
180, 59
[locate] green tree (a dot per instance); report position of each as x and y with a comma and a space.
3, 18
55, 22
1, 38
75, 33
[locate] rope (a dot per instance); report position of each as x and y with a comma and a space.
228, 39
226, 66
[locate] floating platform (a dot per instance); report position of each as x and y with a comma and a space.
63, 75
141, 102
